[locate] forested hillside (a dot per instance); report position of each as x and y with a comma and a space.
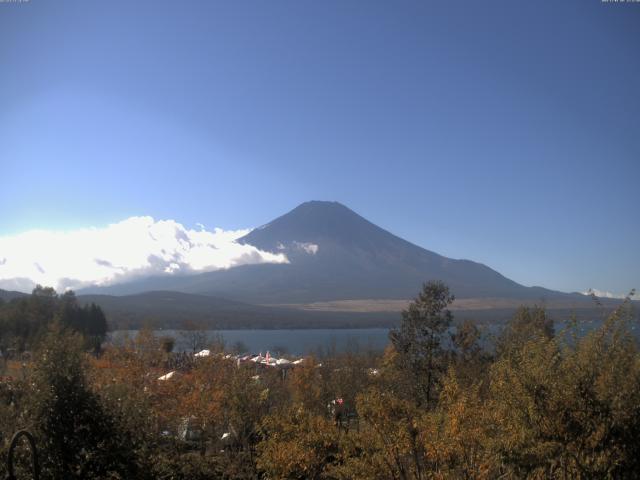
25, 318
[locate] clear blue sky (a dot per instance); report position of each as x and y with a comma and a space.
504, 132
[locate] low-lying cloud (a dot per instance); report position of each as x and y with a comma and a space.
135, 247
604, 294
310, 248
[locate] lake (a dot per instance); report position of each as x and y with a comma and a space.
295, 342
305, 341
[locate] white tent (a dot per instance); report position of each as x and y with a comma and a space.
203, 353
166, 376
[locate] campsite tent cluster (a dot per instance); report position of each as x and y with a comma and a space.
189, 429
267, 361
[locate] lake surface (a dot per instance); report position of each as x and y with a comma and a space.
305, 341
295, 342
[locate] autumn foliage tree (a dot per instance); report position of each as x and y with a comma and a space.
78, 437
418, 340
436, 404
567, 410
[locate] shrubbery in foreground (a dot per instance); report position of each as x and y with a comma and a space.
542, 405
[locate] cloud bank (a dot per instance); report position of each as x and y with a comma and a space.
135, 247
604, 294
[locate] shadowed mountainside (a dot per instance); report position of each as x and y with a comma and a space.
165, 309
8, 295
335, 254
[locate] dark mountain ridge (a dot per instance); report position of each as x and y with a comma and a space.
8, 295
168, 309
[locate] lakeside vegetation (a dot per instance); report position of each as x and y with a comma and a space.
433, 405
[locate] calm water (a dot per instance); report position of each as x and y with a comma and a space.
296, 342
299, 342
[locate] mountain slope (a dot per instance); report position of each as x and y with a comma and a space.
8, 295
166, 309
335, 254
354, 257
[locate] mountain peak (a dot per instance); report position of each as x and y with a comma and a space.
312, 222
321, 204
320, 209
328, 244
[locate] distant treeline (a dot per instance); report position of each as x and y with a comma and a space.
24, 320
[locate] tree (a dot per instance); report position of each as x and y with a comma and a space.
96, 329
565, 410
469, 359
306, 384
24, 320
458, 434
194, 336
389, 443
167, 343
239, 347
418, 340
465, 339
526, 324
78, 438
297, 444
147, 346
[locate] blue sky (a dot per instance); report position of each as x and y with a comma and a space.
499, 131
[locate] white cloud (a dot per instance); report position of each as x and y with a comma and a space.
604, 294
310, 248
135, 247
